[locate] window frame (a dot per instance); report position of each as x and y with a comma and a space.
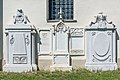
56, 20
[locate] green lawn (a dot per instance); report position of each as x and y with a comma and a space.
80, 74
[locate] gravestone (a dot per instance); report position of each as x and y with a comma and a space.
61, 57
76, 41
76, 46
20, 55
45, 46
101, 45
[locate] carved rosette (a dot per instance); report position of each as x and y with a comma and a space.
109, 33
93, 33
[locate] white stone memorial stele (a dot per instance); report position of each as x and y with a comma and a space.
61, 59
20, 36
101, 45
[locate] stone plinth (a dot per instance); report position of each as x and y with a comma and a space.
61, 67
61, 61
18, 68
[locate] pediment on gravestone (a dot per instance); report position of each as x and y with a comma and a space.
61, 27
20, 20
101, 22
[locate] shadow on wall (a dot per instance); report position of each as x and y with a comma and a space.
37, 41
1, 33
117, 38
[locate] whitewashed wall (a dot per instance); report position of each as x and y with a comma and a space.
84, 12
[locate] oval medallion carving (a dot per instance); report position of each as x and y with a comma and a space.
101, 44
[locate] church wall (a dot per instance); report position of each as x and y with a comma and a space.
84, 12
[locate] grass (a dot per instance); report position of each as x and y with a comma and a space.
80, 74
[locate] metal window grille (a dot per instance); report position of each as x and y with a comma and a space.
54, 8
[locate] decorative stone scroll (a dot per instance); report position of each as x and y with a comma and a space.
101, 45
20, 55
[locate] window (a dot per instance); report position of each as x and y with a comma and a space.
54, 8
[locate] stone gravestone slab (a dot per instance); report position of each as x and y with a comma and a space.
101, 45
20, 55
61, 60
45, 46
76, 41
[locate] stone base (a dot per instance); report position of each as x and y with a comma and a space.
19, 68
101, 66
34, 67
44, 62
118, 62
78, 62
61, 67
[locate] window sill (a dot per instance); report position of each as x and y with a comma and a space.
63, 20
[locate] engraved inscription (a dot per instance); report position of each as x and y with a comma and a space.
76, 51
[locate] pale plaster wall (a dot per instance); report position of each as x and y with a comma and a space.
84, 12
1, 33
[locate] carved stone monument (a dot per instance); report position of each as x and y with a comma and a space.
76, 41
20, 36
101, 45
61, 59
